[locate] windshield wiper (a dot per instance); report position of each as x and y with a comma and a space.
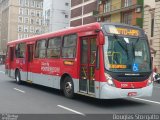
122, 46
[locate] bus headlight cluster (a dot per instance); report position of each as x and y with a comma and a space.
150, 81
109, 80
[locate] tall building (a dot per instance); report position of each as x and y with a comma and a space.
56, 14
20, 19
120, 11
82, 12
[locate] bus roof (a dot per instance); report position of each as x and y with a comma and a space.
71, 30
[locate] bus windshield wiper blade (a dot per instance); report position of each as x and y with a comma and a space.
118, 38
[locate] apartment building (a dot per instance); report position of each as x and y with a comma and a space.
56, 14
20, 19
120, 11
82, 12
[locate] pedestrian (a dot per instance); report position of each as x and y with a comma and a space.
155, 69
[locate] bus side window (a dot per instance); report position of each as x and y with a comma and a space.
11, 53
40, 50
20, 50
69, 46
53, 49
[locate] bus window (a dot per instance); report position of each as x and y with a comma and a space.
11, 53
53, 50
69, 46
40, 51
20, 50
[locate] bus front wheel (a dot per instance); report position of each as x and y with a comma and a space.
68, 87
18, 77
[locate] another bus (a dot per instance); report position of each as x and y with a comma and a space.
100, 60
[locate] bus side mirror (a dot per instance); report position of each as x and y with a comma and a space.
101, 39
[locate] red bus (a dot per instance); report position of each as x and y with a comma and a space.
100, 60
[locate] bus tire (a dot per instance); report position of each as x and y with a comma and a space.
68, 87
18, 77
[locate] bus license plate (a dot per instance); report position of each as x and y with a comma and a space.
131, 94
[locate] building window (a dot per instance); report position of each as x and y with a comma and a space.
127, 18
69, 46
26, 3
32, 12
20, 28
38, 13
41, 4
31, 21
31, 29
32, 3
66, 4
26, 11
26, 35
107, 6
37, 30
26, 20
41, 13
20, 19
20, 36
21, 11
66, 16
37, 21
26, 29
38, 4
152, 27
127, 3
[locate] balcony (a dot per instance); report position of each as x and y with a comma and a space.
117, 8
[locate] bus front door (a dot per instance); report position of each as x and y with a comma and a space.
30, 60
87, 69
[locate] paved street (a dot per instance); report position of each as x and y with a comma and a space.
41, 100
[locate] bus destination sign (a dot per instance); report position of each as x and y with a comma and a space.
128, 31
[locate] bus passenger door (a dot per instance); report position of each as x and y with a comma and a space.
29, 61
87, 69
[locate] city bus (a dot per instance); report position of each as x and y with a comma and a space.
100, 60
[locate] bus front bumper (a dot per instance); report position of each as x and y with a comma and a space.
109, 92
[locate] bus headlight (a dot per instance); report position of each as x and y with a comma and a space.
150, 81
109, 80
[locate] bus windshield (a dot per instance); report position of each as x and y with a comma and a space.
126, 54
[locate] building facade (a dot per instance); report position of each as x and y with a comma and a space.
56, 14
152, 28
120, 11
82, 12
20, 19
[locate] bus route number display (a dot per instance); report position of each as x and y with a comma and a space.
130, 32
